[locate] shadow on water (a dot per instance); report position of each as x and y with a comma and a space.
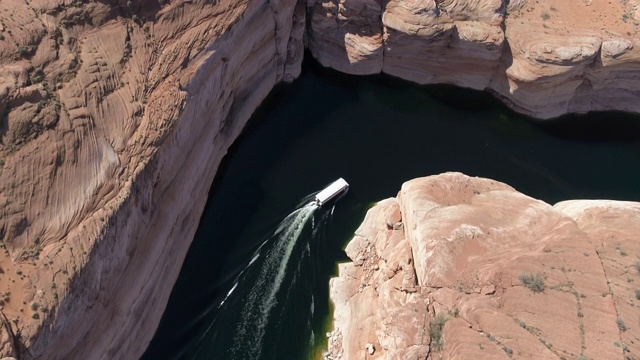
612, 127
376, 132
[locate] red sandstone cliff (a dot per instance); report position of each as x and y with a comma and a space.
542, 58
116, 115
111, 110
458, 268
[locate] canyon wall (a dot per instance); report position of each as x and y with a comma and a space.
115, 119
458, 267
542, 58
116, 115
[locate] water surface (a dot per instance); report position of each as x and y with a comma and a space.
376, 132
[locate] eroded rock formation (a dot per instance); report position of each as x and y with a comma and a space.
542, 58
115, 118
116, 114
458, 268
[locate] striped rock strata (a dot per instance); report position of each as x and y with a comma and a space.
542, 58
116, 116
112, 110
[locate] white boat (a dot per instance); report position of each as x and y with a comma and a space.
334, 189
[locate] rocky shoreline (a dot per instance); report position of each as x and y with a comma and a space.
541, 58
111, 110
458, 267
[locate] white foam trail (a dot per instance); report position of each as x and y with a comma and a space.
229, 293
262, 298
253, 259
315, 228
312, 305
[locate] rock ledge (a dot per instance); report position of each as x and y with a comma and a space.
477, 270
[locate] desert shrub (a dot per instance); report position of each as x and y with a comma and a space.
523, 324
436, 328
508, 350
621, 325
533, 282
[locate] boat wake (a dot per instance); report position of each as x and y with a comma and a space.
247, 342
266, 287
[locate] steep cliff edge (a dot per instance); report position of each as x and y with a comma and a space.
458, 268
542, 58
116, 114
115, 118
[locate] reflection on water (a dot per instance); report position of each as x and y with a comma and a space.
375, 132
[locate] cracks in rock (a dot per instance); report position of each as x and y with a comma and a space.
437, 323
619, 322
583, 345
127, 46
504, 11
18, 346
15, 340
423, 332
383, 39
496, 342
535, 332
281, 59
440, 8
569, 287
275, 23
615, 307
406, 290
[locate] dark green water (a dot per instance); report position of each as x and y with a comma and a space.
376, 132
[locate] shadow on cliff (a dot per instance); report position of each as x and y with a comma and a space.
226, 233
18, 348
205, 264
138, 11
598, 126
189, 309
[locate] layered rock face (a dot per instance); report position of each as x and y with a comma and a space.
468, 268
543, 59
116, 114
115, 118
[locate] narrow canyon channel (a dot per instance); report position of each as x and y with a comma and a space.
255, 282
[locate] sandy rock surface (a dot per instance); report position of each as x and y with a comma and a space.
115, 116
458, 268
542, 58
